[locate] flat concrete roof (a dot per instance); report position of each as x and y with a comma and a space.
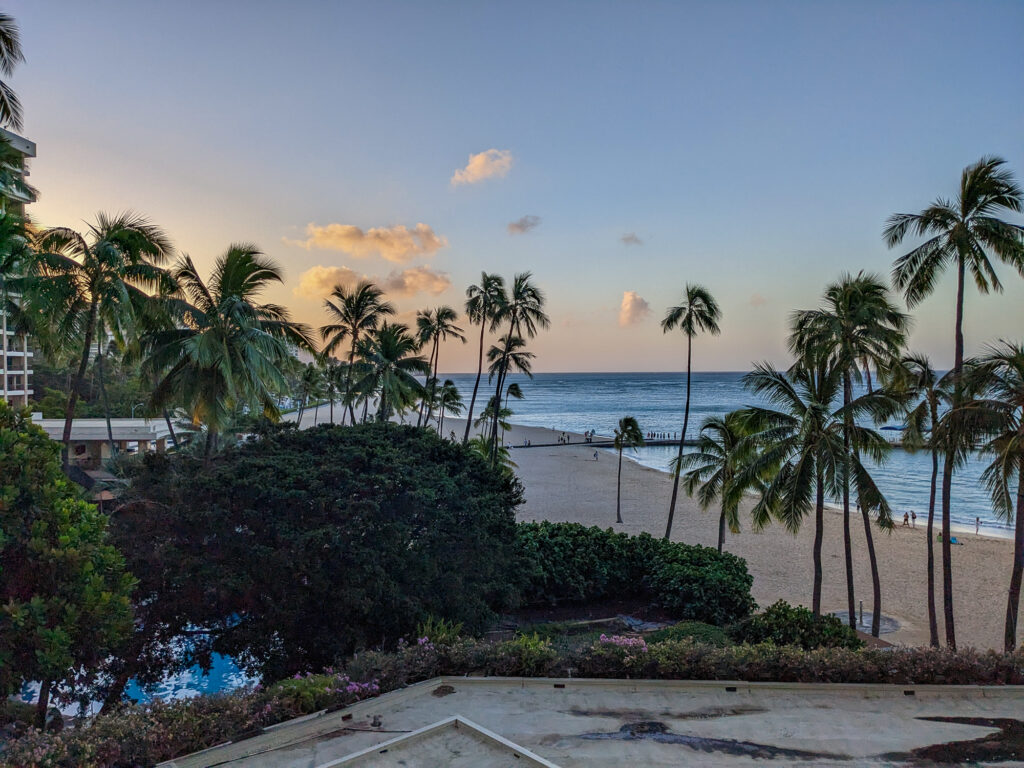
651, 723
95, 430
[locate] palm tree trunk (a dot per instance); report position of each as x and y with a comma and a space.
476, 386
44, 702
1013, 598
876, 583
502, 370
933, 621
440, 422
430, 377
76, 385
433, 380
106, 402
170, 428
682, 440
618, 491
819, 535
847, 545
348, 384
332, 409
721, 528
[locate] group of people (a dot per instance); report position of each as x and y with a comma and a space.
661, 435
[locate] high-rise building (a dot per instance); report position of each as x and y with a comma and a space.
15, 355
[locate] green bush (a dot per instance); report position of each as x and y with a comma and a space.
785, 624
696, 631
569, 562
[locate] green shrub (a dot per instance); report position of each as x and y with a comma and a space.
703, 584
697, 631
785, 624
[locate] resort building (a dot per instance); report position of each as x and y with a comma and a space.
90, 443
16, 357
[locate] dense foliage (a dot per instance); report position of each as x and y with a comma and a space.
146, 735
785, 624
295, 549
697, 631
63, 589
569, 562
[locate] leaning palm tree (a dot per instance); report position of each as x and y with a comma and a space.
448, 400
433, 327
391, 363
966, 233
856, 323
354, 313
10, 57
997, 414
929, 395
524, 315
698, 312
627, 435
483, 308
94, 284
226, 351
715, 470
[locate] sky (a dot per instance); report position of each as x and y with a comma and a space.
615, 150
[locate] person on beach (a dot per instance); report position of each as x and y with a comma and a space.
977, 525
906, 520
595, 455
913, 519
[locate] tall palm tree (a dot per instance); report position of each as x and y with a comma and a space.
96, 283
433, 327
697, 313
715, 469
524, 315
503, 358
390, 360
354, 312
998, 415
627, 435
483, 308
448, 399
856, 323
930, 394
965, 232
227, 350
10, 57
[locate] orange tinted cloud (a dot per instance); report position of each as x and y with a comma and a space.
489, 164
317, 282
399, 243
523, 225
634, 309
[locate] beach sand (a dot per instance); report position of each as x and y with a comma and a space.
564, 483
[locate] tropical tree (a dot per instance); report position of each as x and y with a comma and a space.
10, 57
390, 361
929, 397
512, 390
998, 415
502, 458
433, 327
483, 308
487, 416
627, 435
334, 382
966, 233
509, 355
311, 385
524, 315
354, 313
715, 470
697, 313
226, 351
448, 399
857, 322
92, 285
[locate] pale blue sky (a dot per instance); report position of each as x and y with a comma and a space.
753, 147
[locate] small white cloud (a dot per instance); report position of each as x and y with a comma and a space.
630, 238
634, 309
318, 281
523, 225
489, 164
399, 244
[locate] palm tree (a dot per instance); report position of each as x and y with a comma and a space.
390, 359
487, 416
448, 399
698, 312
14, 256
354, 313
964, 232
483, 307
311, 384
914, 374
433, 327
334, 382
524, 314
857, 323
502, 458
96, 283
716, 469
509, 356
10, 57
512, 390
227, 351
998, 415
627, 435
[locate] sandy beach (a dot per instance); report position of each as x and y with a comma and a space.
565, 483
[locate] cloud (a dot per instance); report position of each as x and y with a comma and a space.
399, 243
757, 300
630, 238
634, 309
523, 225
318, 281
488, 164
